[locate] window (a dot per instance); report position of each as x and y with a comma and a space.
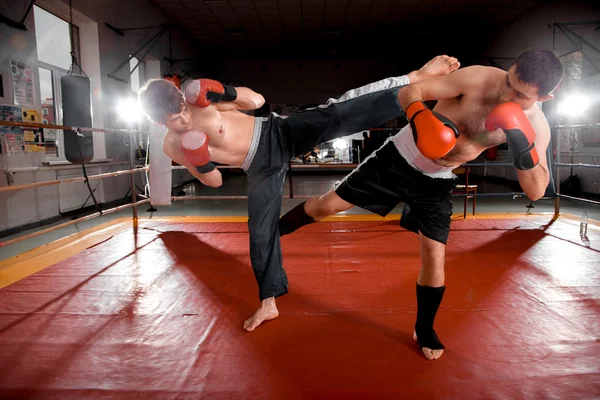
48, 110
136, 75
53, 40
47, 94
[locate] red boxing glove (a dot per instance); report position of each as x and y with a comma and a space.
204, 92
434, 134
194, 145
520, 135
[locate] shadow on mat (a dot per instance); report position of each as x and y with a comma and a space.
493, 275
318, 340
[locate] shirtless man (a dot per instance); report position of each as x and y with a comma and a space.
206, 125
478, 107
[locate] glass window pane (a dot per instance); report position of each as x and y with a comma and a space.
52, 38
48, 110
47, 94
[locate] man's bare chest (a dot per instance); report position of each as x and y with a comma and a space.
469, 116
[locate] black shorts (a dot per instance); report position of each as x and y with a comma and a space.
385, 179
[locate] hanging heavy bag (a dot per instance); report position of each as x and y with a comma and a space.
77, 111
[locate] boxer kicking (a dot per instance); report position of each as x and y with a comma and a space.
478, 107
205, 124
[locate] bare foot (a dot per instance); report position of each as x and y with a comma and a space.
440, 65
429, 354
267, 311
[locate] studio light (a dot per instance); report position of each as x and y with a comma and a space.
339, 144
573, 105
129, 110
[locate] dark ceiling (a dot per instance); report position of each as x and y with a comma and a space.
341, 29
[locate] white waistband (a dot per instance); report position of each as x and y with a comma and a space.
256, 132
405, 143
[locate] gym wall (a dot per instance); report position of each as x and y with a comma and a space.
532, 30
101, 52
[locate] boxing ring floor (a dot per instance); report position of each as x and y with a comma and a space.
117, 313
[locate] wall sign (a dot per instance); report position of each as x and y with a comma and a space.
22, 79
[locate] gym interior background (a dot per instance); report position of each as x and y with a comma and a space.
296, 53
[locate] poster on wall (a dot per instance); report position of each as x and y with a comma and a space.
34, 138
8, 146
10, 113
34, 141
12, 143
31, 115
22, 79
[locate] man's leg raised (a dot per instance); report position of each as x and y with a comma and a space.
358, 109
313, 210
430, 290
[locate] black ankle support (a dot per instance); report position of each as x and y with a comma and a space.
294, 219
428, 302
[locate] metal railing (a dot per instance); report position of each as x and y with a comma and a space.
133, 205
558, 165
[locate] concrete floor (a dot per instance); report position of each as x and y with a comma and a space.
304, 184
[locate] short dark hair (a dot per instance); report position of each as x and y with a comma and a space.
159, 98
540, 68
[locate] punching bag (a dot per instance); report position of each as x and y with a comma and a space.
175, 79
77, 112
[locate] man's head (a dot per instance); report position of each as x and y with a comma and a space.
532, 77
164, 104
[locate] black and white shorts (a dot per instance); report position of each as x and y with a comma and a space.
386, 178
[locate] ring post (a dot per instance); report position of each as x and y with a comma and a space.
133, 194
557, 197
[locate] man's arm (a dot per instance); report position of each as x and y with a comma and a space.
528, 139
205, 92
440, 87
247, 99
172, 149
535, 181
